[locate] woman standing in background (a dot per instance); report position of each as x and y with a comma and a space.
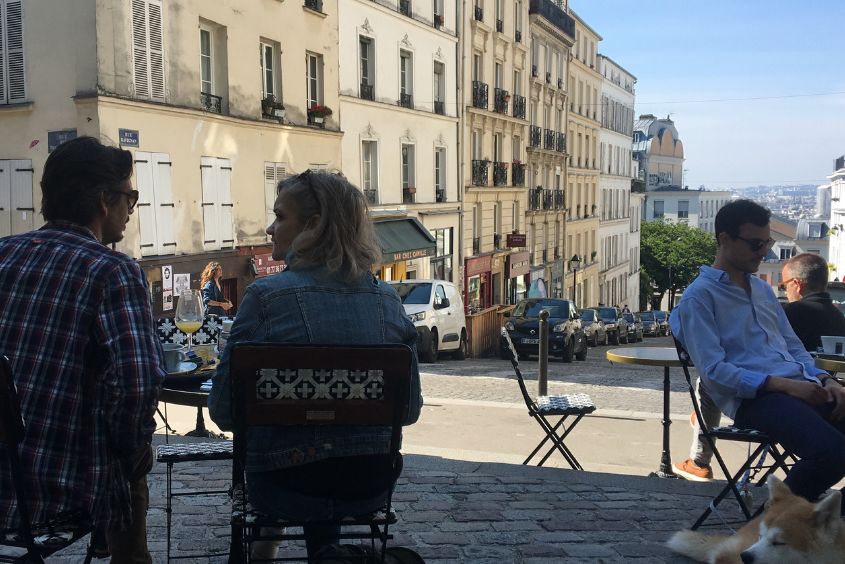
212, 293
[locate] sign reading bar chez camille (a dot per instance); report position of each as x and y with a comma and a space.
516, 240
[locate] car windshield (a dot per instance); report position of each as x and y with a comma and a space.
660, 315
629, 317
531, 308
646, 316
414, 293
607, 312
588, 315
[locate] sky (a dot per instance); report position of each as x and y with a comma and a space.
756, 88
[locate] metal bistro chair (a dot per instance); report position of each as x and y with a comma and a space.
755, 463
295, 385
39, 540
563, 406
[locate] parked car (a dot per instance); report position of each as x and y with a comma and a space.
635, 327
566, 337
663, 318
614, 323
593, 327
437, 311
651, 327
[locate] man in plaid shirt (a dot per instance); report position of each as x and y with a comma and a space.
78, 329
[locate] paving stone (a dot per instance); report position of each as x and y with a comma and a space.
629, 550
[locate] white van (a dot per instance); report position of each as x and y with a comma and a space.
437, 311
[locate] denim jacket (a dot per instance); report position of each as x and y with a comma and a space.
305, 307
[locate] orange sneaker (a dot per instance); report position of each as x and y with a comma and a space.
689, 470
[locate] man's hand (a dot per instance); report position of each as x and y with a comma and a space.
837, 393
808, 392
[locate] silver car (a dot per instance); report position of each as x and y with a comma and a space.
593, 327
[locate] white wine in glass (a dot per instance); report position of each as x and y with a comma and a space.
189, 313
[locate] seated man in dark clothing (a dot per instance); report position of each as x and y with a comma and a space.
810, 310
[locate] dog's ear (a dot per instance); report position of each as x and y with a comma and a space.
826, 512
777, 489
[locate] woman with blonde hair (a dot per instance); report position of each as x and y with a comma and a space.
327, 295
212, 293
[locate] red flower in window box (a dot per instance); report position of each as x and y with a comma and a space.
319, 110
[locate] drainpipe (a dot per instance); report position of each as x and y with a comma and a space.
461, 52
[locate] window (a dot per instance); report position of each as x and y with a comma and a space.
273, 174
658, 209
476, 144
497, 78
441, 263
439, 88
785, 253
815, 230
515, 216
314, 66
365, 45
369, 170
270, 70
440, 174
517, 83
206, 66
16, 207
477, 67
407, 167
147, 49
683, 209
406, 72
217, 219
497, 224
155, 203
12, 64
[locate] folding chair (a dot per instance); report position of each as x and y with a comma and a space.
289, 385
39, 540
760, 445
563, 406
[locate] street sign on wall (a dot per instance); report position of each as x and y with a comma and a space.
516, 240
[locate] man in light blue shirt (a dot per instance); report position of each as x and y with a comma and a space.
751, 363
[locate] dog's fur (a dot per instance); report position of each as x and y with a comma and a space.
790, 530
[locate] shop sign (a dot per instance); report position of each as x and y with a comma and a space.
414, 254
518, 264
264, 265
478, 265
516, 240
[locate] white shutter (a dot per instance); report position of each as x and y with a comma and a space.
23, 210
224, 202
273, 173
163, 203
5, 198
140, 51
156, 46
210, 223
145, 185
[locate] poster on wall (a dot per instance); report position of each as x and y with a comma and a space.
166, 288
181, 282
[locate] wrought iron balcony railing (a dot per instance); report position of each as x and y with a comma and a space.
500, 174
534, 136
479, 94
560, 83
548, 200
367, 91
548, 78
535, 195
405, 7
406, 100
211, 103
552, 12
534, 71
500, 101
560, 142
517, 36
316, 5
438, 21
479, 14
548, 139
371, 195
559, 199
408, 195
500, 26
518, 174
440, 195
439, 108
518, 106
479, 172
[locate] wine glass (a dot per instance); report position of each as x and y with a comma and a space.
190, 313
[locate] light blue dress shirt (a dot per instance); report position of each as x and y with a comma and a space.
736, 339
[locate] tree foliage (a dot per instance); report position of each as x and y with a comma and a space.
678, 245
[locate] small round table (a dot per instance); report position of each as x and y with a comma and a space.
654, 356
185, 390
832, 365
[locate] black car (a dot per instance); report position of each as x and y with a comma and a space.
651, 327
617, 327
635, 327
566, 338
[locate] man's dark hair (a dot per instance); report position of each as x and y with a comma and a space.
811, 269
75, 175
737, 212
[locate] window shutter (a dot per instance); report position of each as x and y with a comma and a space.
23, 210
5, 198
226, 208
156, 45
12, 63
145, 185
164, 206
210, 223
140, 52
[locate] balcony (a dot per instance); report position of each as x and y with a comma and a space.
548, 200
549, 10
560, 142
500, 101
534, 136
367, 91
408, 195
549, 139
371, 195
535, 196
439, 108
518, 174
500, 174
405, 7
518, 106
406, 100
440, 195
438, 21
479, 94
500, 26
316, 5
479, 172
211, 103
560, 202
479, 14
517, 36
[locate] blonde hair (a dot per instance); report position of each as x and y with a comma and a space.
343, 240
208, 272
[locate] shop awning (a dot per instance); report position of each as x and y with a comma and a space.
404, 239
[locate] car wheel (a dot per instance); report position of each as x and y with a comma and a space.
583, 354
430, 352
568, 350
461, 353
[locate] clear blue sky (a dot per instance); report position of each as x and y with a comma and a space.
683, 51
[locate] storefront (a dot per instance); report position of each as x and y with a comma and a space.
404, 241
478, 293
517, 269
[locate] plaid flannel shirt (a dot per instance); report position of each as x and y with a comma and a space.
78, 328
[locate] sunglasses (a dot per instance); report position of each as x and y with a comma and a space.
131, 197
782, 285
757, 244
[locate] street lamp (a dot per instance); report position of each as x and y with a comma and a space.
574, 264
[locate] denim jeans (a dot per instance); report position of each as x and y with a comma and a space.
805, 431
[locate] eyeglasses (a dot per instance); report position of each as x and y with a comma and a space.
131, 197
782, 285
757, 244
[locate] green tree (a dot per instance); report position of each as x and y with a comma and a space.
670, 254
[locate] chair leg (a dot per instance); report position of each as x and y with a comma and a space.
168, 504
236, 546
548, 429
561, 446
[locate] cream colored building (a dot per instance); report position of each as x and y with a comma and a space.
584, 129
180, 84
552, 36
399, 115
493, 82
